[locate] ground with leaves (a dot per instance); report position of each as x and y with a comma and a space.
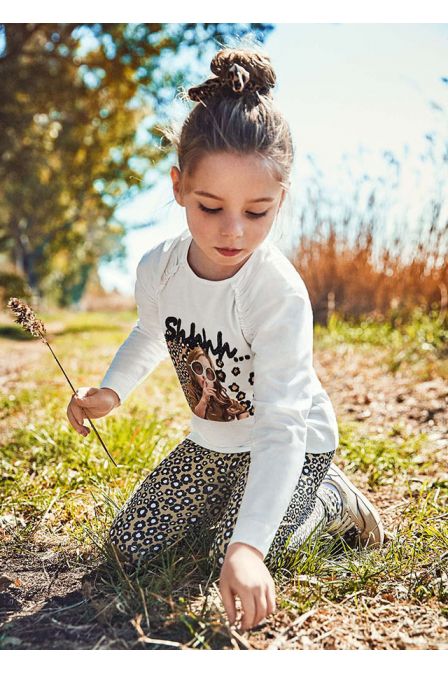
61, 588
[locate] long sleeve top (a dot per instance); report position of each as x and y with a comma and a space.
242, 348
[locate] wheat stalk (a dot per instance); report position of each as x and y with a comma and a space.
26, 317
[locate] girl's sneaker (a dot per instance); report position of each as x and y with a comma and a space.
359, 520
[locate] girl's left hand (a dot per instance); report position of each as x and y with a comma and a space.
244, 574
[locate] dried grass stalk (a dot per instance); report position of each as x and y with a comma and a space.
26, 317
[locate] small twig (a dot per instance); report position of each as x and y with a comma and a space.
301, 619
97, 645
47, 511
72, 627
148, 624
26, 317
153, 641
53, 579
323, 635
344, 600
48, 611
242, 642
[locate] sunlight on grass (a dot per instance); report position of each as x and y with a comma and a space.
424, 338
383, 460
58, 484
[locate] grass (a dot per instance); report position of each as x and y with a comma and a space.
421, 342
60, 492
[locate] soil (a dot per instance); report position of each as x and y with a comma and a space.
49, 596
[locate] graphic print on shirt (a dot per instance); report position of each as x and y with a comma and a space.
201, 369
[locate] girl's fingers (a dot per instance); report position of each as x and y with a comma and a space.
76, 423
78, 411
84, 401
249, 608
270, 600
228, 600
261, 609
74, 414
85, 391
80, 407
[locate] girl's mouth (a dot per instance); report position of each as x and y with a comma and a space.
228, 252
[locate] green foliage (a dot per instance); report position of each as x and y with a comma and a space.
13, 285
422, 338
80, 103
383, 460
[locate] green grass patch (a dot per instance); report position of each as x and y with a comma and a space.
55, 482
420, 342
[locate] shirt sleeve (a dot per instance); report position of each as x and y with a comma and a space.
282, 346
145, 347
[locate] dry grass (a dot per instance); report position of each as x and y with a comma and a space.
62, 587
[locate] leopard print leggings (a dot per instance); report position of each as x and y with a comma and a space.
194, 488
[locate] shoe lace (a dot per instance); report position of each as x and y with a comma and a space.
342, 524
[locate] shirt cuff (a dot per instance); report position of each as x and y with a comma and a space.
119, 382
252, 531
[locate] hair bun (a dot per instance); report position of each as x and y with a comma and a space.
238, 71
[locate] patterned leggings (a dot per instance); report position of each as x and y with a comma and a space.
194, 488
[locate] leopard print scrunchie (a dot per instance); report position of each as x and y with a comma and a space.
255, 76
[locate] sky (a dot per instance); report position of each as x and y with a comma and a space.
347, 90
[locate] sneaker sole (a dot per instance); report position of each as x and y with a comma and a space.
372, 531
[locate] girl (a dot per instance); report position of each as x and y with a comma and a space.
209, 397
235, 317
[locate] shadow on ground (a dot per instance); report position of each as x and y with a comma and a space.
54, 600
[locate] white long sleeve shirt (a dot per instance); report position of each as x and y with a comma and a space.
249, 338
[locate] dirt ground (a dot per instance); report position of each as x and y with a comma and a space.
48, 597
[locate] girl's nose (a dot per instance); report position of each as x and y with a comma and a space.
233, 226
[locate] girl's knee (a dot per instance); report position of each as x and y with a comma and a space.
217, 550
119, 555
121, 544
215, 559
130, 556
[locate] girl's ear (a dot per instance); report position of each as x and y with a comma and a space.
282, 198
176, 179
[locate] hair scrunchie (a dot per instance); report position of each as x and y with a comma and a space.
229, 76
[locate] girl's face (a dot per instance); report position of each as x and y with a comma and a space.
207, 371
231, 201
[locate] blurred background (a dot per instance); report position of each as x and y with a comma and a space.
84, 179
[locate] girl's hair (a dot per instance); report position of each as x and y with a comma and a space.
235, 112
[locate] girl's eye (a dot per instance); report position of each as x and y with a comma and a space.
209, 210
216, 210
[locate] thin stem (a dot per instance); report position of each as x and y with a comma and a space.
62, 368
88, 418
26, 318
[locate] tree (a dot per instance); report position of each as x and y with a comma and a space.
80, 103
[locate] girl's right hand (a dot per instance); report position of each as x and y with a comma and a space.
208, 391
90, 403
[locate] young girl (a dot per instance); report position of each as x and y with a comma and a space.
235, 317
